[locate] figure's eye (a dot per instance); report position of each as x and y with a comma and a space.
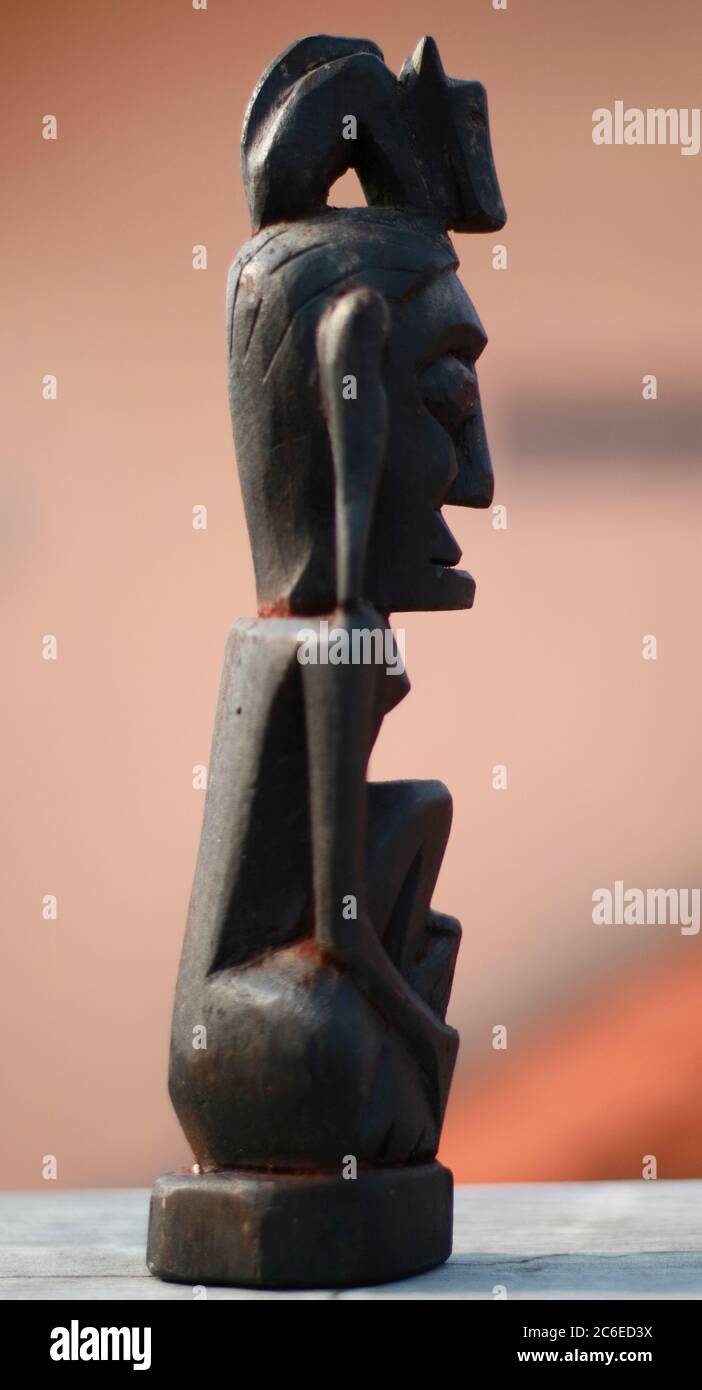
449, 389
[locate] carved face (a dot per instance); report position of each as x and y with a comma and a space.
436, 449
437, 452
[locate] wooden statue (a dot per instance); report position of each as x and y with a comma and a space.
310, 1059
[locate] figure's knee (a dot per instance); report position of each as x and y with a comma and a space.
429, 806
398, 802
408, 824
436, 798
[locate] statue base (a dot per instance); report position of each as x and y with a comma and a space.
273, 1230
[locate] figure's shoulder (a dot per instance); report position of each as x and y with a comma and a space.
277, 637
362, 637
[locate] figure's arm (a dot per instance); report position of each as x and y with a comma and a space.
339, 700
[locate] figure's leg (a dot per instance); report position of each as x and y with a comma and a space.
407, 829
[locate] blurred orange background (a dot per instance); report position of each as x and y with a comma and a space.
546, 676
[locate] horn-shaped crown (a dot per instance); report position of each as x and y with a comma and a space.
420, 140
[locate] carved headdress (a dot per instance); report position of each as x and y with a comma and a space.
421, 140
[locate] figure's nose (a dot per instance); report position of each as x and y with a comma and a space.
474, 484
450, 391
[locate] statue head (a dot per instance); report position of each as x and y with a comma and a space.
352, 342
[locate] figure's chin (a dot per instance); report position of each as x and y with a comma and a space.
454, 588
439, 587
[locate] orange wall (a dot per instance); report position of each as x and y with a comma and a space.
604, 1061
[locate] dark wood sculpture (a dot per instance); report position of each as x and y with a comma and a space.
310, 1059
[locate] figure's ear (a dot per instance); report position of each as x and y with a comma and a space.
351, 339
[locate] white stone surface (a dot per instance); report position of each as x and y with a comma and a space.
606, 1240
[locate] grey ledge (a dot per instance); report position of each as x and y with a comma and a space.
604, 1240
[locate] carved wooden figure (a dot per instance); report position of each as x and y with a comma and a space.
310, 1059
